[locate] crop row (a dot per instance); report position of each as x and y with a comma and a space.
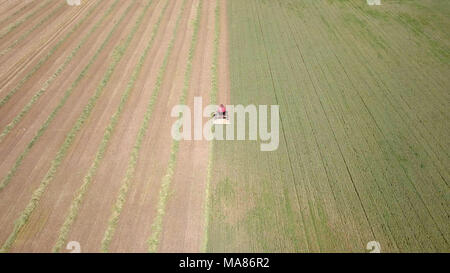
46, 57
123, 191
5, 181
156, 228
407, 151
58, 71
28, 32
76, 203
118, 53
19, 22
14, 14
424, 92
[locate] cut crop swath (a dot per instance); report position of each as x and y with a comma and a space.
76, 203
118, 53
28, 32
44, 59
58, 71
14, 15
213, 96
19, 22
156, 228
118, 206
5, 181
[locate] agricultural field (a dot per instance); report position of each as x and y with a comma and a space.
87, 154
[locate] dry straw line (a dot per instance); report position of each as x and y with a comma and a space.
123, 191
58, 71
214, 91
118, 53
153, 241
76, 203
46, 57
5, 181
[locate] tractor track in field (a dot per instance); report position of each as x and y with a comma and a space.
438, 185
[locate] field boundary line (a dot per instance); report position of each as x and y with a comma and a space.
5, 181
127, 180
56, 162
58, 71
44, 59
213, 100
156, 227
76, 203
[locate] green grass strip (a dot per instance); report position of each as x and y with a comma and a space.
156, 228
75, 206
16, 24
213, 96
46, 57
118, 206
56, 162
58, 71
23, 36
5, 181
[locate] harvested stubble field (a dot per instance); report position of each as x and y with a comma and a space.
86, 152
